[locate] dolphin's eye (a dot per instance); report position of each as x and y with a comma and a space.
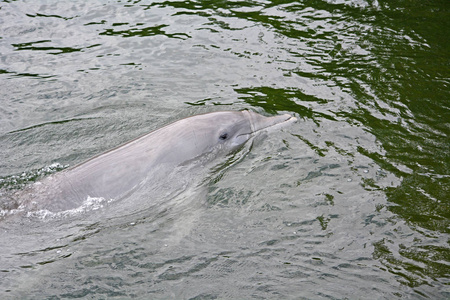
223, 136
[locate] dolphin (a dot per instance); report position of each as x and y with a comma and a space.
120, 171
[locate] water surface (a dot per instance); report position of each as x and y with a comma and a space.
350, 202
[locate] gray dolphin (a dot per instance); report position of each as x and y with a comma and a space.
118, 172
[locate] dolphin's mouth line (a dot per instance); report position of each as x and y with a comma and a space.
254, 131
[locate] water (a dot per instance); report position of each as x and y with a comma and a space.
350, 202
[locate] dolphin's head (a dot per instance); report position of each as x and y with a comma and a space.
225, 130
234, 128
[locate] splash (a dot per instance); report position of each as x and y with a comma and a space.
15, 182
90, 204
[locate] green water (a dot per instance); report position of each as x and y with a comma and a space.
350, 202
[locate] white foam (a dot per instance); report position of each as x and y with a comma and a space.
7, 212
90, 204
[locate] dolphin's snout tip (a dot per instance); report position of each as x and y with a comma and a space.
289, 118
259, 122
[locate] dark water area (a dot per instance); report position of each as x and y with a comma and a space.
352, 201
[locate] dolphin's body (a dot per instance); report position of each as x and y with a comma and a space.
117, 173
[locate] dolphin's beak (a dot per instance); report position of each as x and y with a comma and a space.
259, 122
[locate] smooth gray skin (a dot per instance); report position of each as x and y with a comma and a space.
119, 172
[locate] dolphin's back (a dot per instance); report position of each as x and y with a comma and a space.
110, 175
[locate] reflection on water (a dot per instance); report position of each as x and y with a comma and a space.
350, 202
